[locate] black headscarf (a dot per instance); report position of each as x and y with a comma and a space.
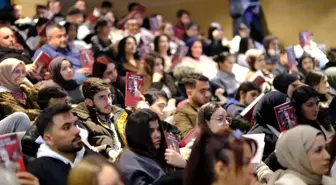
55, 70
283, 81
263, 112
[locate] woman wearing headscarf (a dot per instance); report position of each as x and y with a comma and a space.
266, 121
14, 95
62, 75
302, 150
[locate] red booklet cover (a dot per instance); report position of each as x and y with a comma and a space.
10, 154
87, 58
133, 89
286, 116
172, 142
181, 52
247, 113
304, 38
258, 78
42, 62
187, 138
291, 56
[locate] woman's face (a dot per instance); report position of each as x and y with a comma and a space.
18, 75
196, 49
155, 133
319, 157
192, 31
250, 96
323, 86
260, 63
72, 33
310, 108
168, 30
163, 44
218, 120
158, 66
66, 70
109, 176
274, 45
217, 34
130, 46
105, 30
110, 73
307, 65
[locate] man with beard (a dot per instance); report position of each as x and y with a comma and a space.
104, 121
63, 147
198, 92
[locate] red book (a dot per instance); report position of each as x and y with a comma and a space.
180, 53
247, 113
285, 116
304, 38
258, 78
133, 89
10, 154
86, 57
291, 56
187, 138
172, 142
42, 62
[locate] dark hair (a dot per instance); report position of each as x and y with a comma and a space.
100, 24
51, 26
211, 30
157, 41
132, 5
190, 25
331, 54
212, 147
222, 57
149, 62
268, 40
314, 78
181, 12
138, 135
304, 56
106, 4
205, 112
243, 45
300, 96
100, 65
73, 11
46, 94
40, 7
190, 81
68, 25
252, 57
121, 57
152, 95
246, 87
92, 86
45, 120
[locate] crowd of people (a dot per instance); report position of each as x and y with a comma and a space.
75, 128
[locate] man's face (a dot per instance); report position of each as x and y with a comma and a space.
7, 37
81, 5
42, 13
64, 136
55, 7
57, 38
158, 107
291, 88
17, 11
201, 93
76, 19
103, 101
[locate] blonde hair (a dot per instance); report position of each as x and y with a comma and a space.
86, 172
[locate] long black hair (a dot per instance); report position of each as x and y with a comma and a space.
157, 41
138, 136
121, 56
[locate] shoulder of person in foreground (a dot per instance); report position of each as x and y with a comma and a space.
289, 179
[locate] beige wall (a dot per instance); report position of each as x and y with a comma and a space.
285, 18
29, 6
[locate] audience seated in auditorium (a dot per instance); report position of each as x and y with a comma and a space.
147, 161
198, 92
63, 147
62, 74
104, 121
15, 96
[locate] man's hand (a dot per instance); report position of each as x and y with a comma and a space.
25, 178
